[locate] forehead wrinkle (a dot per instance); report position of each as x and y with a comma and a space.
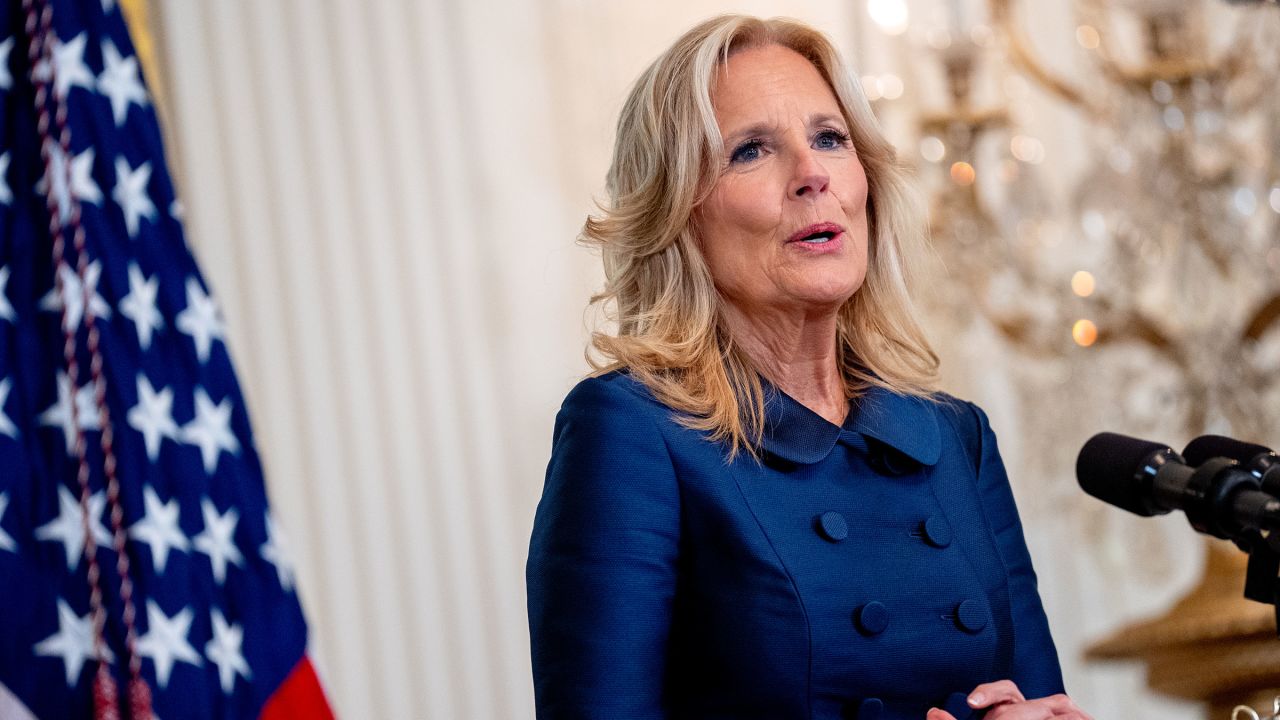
780, 91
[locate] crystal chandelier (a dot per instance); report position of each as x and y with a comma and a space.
1164, 257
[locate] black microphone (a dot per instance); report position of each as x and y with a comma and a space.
1261, 581
1147, 478
1261, 461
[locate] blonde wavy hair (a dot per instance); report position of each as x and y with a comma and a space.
671, 334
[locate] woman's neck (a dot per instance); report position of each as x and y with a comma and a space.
797, 352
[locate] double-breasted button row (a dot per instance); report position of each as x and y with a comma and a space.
873, 708
971, 616
934, 529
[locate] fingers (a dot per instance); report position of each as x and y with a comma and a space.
1055, 707
1064, 707
994, 693
939, 714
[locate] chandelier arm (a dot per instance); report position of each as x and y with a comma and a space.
1217, 256
1016, 331
1263, 319
1022, 58
1241, 57
1241, 64
1108, 62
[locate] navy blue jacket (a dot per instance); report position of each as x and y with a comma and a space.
866, 571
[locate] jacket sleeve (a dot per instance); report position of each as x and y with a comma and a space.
1035, 660
602, 560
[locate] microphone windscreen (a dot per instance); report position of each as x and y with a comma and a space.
1207, 447
1108, 467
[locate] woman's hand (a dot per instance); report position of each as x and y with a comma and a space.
1004, 701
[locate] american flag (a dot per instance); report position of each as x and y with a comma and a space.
122, 427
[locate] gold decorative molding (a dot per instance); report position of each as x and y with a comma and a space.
1212, 646
138, 18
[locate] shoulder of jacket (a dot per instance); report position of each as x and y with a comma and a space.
967, 419
616, 390
953, 408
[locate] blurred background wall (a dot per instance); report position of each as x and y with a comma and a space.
385, 196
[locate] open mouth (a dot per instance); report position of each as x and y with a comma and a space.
818, 237
817, 234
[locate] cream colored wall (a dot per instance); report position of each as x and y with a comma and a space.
384, 195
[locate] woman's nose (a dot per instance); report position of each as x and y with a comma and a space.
810, 178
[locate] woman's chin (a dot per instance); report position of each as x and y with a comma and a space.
828, 297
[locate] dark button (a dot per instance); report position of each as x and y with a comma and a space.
869, 709
872, 618
958, 705
936, 531
972, 616
832, 526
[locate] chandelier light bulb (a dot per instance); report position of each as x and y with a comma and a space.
891, 86
1027, 149
1082, 283
1244, 201
1084, 332
1162, 92
871, 87
933, 150
1088, 37
890, 15
939, 38
962, 173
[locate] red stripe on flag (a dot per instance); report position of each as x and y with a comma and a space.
299, 697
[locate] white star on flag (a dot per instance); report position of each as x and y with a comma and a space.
276, 551
140, 305
166, 641
72, 297
68, 66
131, 194
224, 651
59, 413
68, 527
216, 539
73, 642
201, 319
159, 528
210, 429
6, 80
6, 195
6, 310
80, 183
6, 542
119, 82
153, 416
6, 425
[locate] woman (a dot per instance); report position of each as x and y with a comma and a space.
758, 508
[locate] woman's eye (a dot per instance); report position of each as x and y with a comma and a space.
746, 152
830, 140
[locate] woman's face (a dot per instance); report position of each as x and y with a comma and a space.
785, 227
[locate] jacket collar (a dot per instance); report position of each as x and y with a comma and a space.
907, 424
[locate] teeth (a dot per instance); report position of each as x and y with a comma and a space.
819, 237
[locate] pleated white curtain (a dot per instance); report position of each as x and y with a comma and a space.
384, 195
